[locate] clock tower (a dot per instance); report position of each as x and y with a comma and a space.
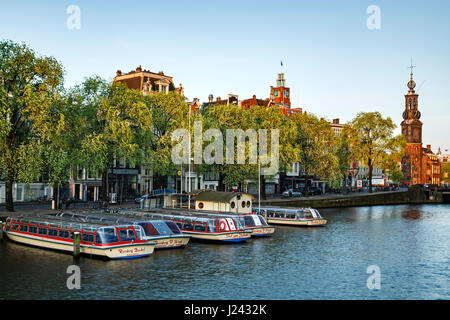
412, 131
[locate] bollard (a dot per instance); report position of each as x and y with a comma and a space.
76, 244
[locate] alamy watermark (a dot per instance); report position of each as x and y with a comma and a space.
374, 20
374, 280
74, 20
74, 280
258, 151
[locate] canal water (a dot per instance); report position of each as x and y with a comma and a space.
409, 246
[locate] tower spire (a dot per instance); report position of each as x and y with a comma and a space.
411, 67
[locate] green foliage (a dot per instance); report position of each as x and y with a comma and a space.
314, 145
29, 89
372, 141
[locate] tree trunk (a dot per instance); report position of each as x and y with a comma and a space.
306, 185
220, 186
104, 187
370, 174
9, 193
263, 187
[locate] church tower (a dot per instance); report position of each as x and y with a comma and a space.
412, 131
280, 95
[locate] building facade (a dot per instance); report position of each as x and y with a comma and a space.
419, 165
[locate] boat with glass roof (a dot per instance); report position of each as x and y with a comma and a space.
199, 227
255, 223
308, 217
164, 233
114, 241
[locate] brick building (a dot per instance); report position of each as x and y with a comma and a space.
420, 165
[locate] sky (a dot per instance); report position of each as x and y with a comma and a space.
335, 65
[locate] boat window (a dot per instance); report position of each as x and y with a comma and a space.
248, 221
316, 213
179, 225
139, 232
200, 227
106, 235
188, 226
248, 204
307, 214
24, 228
262, 220
290, 215
15, 227
149, 229
211, 225
200, 205
232, 204
32, 229
53, 233
162, 228
173, 227
43, 231
243, 204
127, 235
88, 237
64, 234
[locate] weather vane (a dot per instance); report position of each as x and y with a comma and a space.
411, 67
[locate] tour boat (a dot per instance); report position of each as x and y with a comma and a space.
164, 233
208, 228
114, 241
255, 223
308, 217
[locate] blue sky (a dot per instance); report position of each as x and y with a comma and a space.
334, 65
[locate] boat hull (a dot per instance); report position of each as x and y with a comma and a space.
127, 251
220, 237
170, 242
299, 223
262, 232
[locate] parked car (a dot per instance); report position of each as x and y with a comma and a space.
292, 193
315, 191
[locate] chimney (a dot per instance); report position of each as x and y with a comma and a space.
210, 98
429, 147
118, 73
139, 69
336, 121
218, 99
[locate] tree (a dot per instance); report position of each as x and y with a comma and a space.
169, 112
372, 141
29, 85
114, 123
343, 155
224, 117
270, 119
315, 147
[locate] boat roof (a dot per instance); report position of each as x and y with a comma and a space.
182, 215
59, 222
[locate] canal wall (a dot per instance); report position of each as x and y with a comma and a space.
412, 196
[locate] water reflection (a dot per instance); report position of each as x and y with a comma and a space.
409, 244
